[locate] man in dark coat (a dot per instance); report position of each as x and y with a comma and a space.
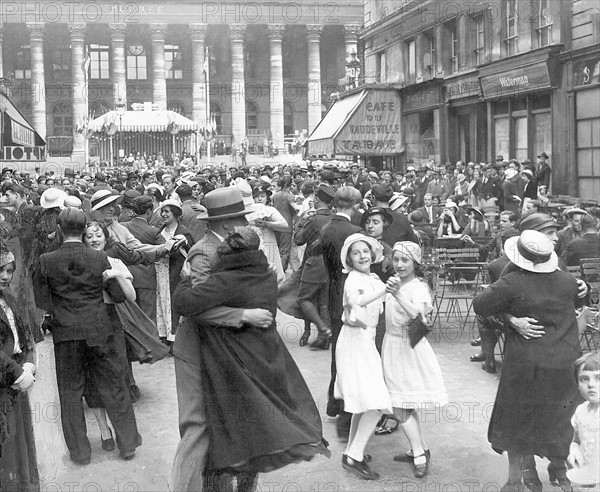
490, 190
400, 228
543, 172
571, 231
282, 201
313, 291
69, 282
430, 211
333, 235
225, 211
356, 179
586, 246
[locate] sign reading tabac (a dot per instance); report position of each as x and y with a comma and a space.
374, 128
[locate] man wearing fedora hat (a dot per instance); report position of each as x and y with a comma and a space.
356, 179
438, 186
543, 171
225, 210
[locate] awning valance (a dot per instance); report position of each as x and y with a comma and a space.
142, 121
364, 123
21, 131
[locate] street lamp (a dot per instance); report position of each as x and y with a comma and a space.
352, 71
121, 107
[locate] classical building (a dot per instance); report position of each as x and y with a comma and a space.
271, 65
500, 77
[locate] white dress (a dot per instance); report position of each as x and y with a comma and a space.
412, 375
163, 294
359, 380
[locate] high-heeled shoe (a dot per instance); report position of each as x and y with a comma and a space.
531, 480
108, 444
558, 477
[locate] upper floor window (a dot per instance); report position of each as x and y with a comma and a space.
512, 36
251, 116
453, 28
215, 114
61, 63
430, 60
381, 75
544, 30
99, 61
173, 62
23, 63
412, 59
479, 25
136, 63
62, 119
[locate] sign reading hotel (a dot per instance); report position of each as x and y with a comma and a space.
17, 153
374, 128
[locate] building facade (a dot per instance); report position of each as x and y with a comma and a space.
271, 66
503, 77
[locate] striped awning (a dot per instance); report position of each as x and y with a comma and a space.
142, 121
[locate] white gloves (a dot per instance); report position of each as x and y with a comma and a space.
25, 381
28, 366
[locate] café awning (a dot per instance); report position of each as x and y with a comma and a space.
366, 123
142, 121
18, 130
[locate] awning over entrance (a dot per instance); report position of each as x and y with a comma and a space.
16, 130
142, 121
367, 123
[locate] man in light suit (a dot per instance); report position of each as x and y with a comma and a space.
438, 186
225, 211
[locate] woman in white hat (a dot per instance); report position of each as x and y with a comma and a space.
168, 269
536, 395
45, 236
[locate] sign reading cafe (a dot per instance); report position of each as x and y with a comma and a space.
374, 128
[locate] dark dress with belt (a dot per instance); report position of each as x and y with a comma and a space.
260, 413
18, 467
536, 395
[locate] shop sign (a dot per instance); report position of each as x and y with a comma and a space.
374, 128
420, 98
465, 87
14, 153
22, 135
587, 72
523, 79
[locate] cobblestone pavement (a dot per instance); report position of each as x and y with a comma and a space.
462, 459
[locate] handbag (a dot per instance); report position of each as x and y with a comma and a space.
417, 329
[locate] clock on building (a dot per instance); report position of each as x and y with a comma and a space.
136, 50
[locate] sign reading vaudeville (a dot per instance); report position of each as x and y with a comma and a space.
374, 128
464, 87
522, 79
16, 153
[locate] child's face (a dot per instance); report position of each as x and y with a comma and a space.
6, 275
403, 265
588, 383
360, 257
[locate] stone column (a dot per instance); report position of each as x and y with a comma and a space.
80, 93
276, 93
1, 60
159, 83
38, 98
238, 98
313, 38
351, 37
199, 110
117, 40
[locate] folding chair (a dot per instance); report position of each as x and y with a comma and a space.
590, 273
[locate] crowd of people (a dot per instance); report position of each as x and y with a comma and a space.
143, 262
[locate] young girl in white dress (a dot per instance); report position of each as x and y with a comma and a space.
359, 381
412, 375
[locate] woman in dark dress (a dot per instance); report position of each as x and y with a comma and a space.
536, 395
260, 413
18, 467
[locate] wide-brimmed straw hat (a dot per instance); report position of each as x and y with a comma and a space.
353, 238
532, 251
478, 211
102, 198
53, 197
223, 203
171, 203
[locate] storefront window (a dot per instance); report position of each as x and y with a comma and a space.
501, 136
520, 132
542, 126
588, 143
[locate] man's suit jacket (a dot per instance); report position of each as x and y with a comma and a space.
490, 189
420, 187
357, 183
586, 246
440, 188
144, 276
435, 211
333, 235
68, 283
399, 230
